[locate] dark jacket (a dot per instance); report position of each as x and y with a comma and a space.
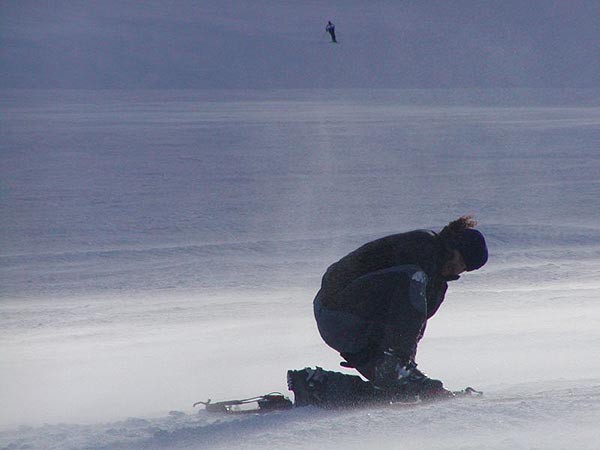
422, 248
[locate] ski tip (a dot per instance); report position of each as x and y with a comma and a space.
469, 392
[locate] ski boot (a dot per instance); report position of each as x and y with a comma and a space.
404, 382
328, 389
308, 386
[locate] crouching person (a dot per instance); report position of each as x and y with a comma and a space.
374, 303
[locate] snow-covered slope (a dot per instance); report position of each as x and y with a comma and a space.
279, 44
160, 248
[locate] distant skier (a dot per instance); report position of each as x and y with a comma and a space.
330, 28
374, 303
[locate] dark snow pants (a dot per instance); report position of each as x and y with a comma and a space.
381, 310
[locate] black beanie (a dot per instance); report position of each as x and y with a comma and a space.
471, 245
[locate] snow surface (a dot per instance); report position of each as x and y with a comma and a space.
160, 247
283, 43
163, 247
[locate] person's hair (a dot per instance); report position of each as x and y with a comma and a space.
457, 226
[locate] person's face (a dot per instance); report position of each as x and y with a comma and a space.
454, 266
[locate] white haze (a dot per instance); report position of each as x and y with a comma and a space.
163, 247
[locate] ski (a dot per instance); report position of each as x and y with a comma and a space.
329, 390
273, 401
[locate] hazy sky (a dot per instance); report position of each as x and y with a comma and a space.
235, 43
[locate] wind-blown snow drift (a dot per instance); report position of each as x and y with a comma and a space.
160, 248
